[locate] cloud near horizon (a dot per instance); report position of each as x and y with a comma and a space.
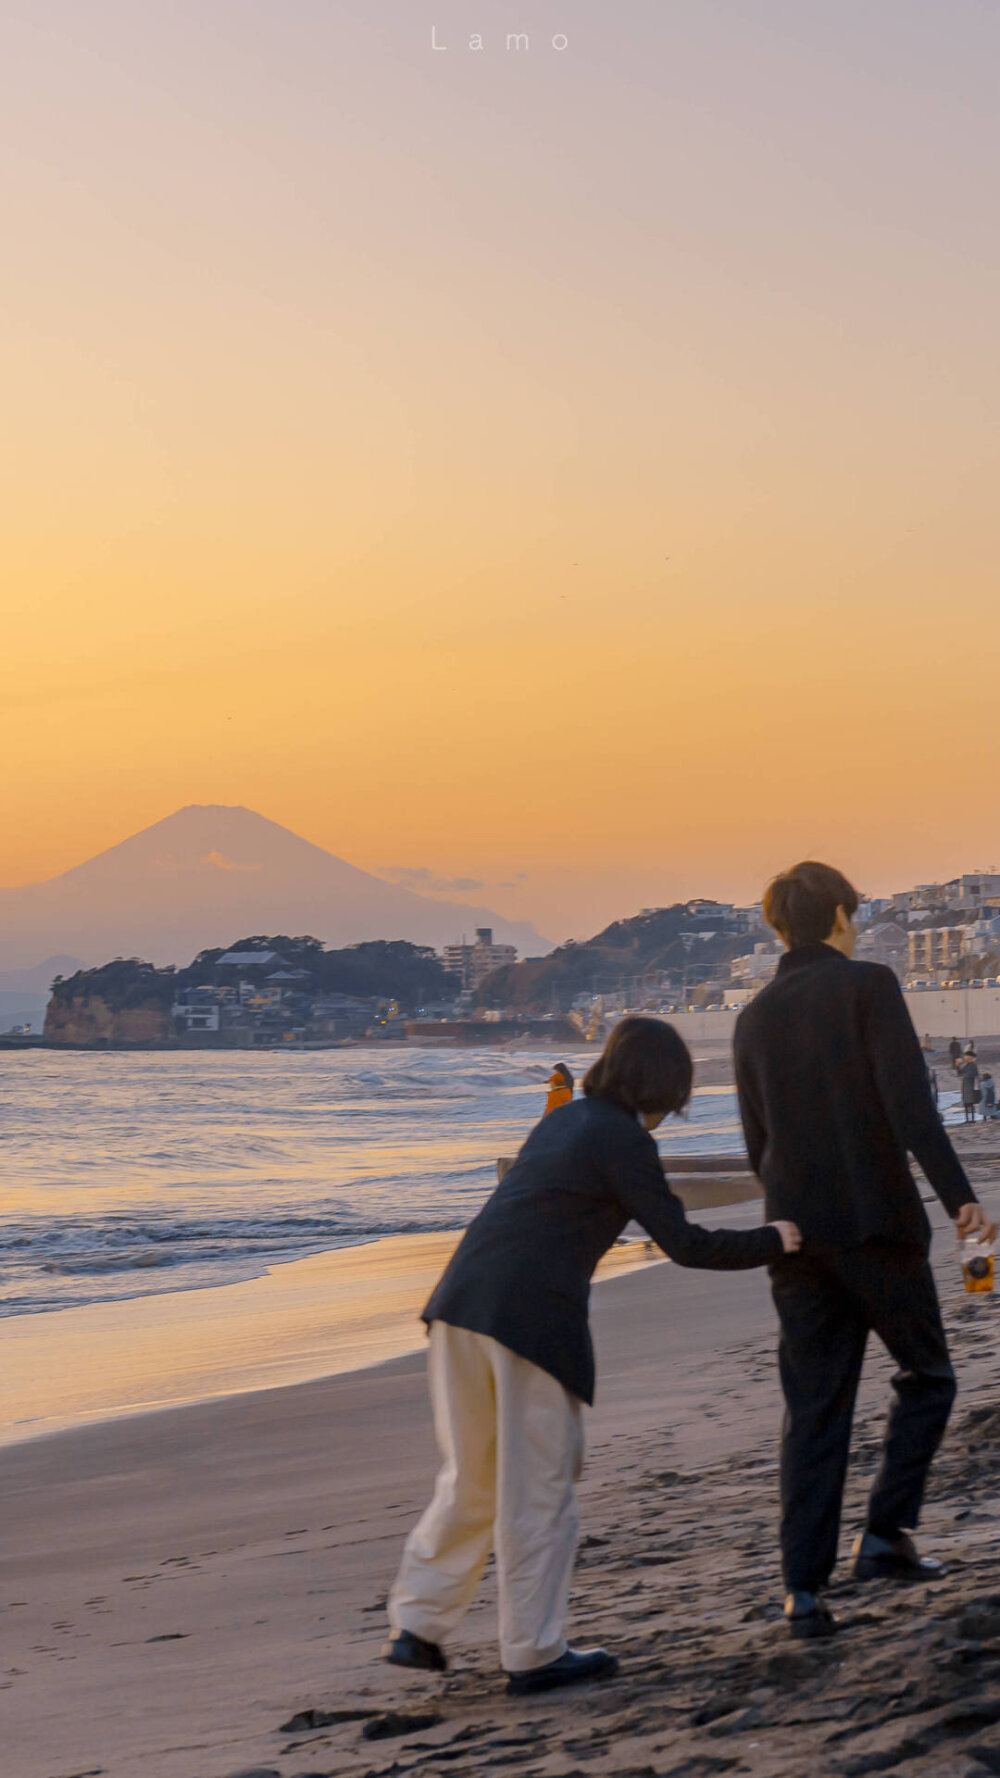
425, 882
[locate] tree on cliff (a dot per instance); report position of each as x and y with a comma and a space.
390, 969
380, 969
122, 985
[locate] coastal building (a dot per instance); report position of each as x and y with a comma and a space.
983, 935
965, 894
719, 915
885, 942
923, 899
935, 950
197, 1010
473, 963
244, 960
342, 1015
756, 968
257, 996
971, 892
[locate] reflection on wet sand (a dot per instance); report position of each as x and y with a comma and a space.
319, 1316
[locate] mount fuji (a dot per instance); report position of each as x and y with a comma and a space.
209, 875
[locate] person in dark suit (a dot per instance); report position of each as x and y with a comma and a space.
511, 1360
968, 1071
834, 1094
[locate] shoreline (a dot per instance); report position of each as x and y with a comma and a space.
336, 1312
542, 1045
325, 1314
320, 1314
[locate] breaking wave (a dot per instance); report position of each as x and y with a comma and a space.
132, 1174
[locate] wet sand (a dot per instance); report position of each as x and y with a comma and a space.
176, 1586
316, 1317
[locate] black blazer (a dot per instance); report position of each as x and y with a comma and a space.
833, 1092
523, 1268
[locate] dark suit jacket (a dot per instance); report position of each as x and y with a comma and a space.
833, 1093
522, 1271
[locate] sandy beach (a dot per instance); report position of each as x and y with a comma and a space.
179, 1587
314, 1317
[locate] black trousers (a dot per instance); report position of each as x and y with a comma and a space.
827, 1305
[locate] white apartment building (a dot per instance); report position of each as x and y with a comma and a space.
197, 1010
473, 963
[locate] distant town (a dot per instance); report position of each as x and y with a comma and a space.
267, 992
696, 956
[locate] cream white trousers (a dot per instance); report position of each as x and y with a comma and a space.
511, 1440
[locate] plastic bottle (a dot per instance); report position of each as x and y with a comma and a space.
977, 1264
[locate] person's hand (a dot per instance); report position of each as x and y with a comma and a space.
973, 1220
791, 1235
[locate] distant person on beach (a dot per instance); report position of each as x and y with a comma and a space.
833, 1093
989, 1097
968, 1069
932, 1081
561, 1084
954, 1051
511, 1361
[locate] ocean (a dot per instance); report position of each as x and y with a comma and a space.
131, 1174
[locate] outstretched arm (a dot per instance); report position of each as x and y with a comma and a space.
643, 1191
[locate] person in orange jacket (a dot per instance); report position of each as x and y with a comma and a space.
561, 1085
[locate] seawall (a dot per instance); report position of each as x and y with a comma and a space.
936, 1012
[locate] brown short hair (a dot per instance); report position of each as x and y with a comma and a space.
802, 903
645, 1066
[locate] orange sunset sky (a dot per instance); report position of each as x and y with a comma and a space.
570, 467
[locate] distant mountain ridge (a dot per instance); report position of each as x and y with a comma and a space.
649, 944
193, 879
24, 992
39, 979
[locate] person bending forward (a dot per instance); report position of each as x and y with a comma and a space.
511, 1360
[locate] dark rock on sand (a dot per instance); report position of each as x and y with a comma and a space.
980, 1622
304, 1720
399, 1722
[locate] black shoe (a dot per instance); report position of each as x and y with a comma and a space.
407, 1650
891, 1558
575, 1667
807, 1616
